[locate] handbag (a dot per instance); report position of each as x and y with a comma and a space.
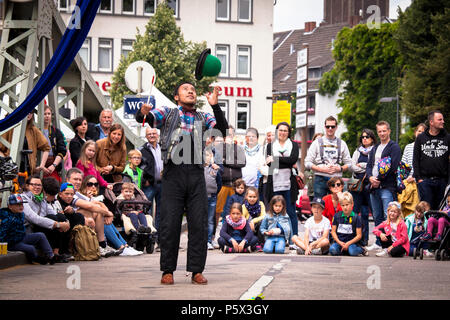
357, 186
299, 179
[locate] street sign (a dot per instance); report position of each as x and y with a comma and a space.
300, 120
281, 112
131, 104
301, 105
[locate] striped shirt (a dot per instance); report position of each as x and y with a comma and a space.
408, 156
187, 119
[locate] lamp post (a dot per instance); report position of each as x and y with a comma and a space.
390, 99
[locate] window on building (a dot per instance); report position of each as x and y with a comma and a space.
105, 54
149, 7
242, 115
223, 54
223, 104
244, 10
174, 5
106, 6
243, 61
128, 6
314, 73
63, 5
223, 10
85, 53
127, 47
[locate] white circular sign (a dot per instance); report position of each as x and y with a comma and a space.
140, 73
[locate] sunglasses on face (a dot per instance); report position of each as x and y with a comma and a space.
338, 184
92, 184
330, 127
365, 137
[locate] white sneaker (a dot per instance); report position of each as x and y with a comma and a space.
136, 252
382, 253
105, 253
428, 253
316, 252
126, 252
374, 246
215, 244
210, 246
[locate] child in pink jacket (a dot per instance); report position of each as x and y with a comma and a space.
393, 233
86, 163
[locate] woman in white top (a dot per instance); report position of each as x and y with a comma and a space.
253, 157
409, 150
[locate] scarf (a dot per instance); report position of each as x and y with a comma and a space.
236, 225
365, 151
279, 151
39, 197
251, 151
254, 210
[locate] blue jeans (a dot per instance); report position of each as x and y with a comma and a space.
432, 191
379, 199
211, 216
320, 186
277, 243
362, 205
353, 250
138, 220
113, 236
29, 243
290, 208
153, 194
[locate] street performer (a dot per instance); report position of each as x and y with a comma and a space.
183, 181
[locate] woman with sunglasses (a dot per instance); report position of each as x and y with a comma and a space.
359, 163
332, 206
90, 188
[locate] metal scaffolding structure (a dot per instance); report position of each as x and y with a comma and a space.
31, 30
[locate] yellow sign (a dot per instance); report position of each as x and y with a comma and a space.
281, 112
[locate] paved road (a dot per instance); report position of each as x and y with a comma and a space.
233, 277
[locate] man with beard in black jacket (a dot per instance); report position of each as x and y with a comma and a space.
431, 160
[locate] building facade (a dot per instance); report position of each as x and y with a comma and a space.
239, 33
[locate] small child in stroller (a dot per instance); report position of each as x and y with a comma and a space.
131, 205
438, 221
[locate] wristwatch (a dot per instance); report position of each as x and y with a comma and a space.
54, 165
57, 225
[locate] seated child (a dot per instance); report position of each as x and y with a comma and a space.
393, 233
254, 211
65, 202
276, 226
439, 222
12, 231
133, 211
238, 196
417, 224
346, 229
317, 230
236, 234
132, 168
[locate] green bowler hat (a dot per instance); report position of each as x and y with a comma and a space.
207, 65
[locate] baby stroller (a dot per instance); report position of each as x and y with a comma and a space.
441, 248
141, 238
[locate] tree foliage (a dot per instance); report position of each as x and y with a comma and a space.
163, 46
424, 40
368, 66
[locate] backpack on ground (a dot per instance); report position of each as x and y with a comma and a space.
84, 244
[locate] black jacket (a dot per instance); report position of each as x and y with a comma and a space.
233, 160
431, 155
147, 165
75, 149
389, 181
57, 143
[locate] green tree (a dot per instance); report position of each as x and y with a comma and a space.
368, 66
163, 46
424, 40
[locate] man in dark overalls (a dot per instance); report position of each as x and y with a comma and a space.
183, 181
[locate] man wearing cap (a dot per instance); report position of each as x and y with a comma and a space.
12, 231
183, 181
317, 230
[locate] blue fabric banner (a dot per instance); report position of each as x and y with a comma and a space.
71, 42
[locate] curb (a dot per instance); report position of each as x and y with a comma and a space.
12, 259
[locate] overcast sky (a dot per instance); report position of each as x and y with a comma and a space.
292, 14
